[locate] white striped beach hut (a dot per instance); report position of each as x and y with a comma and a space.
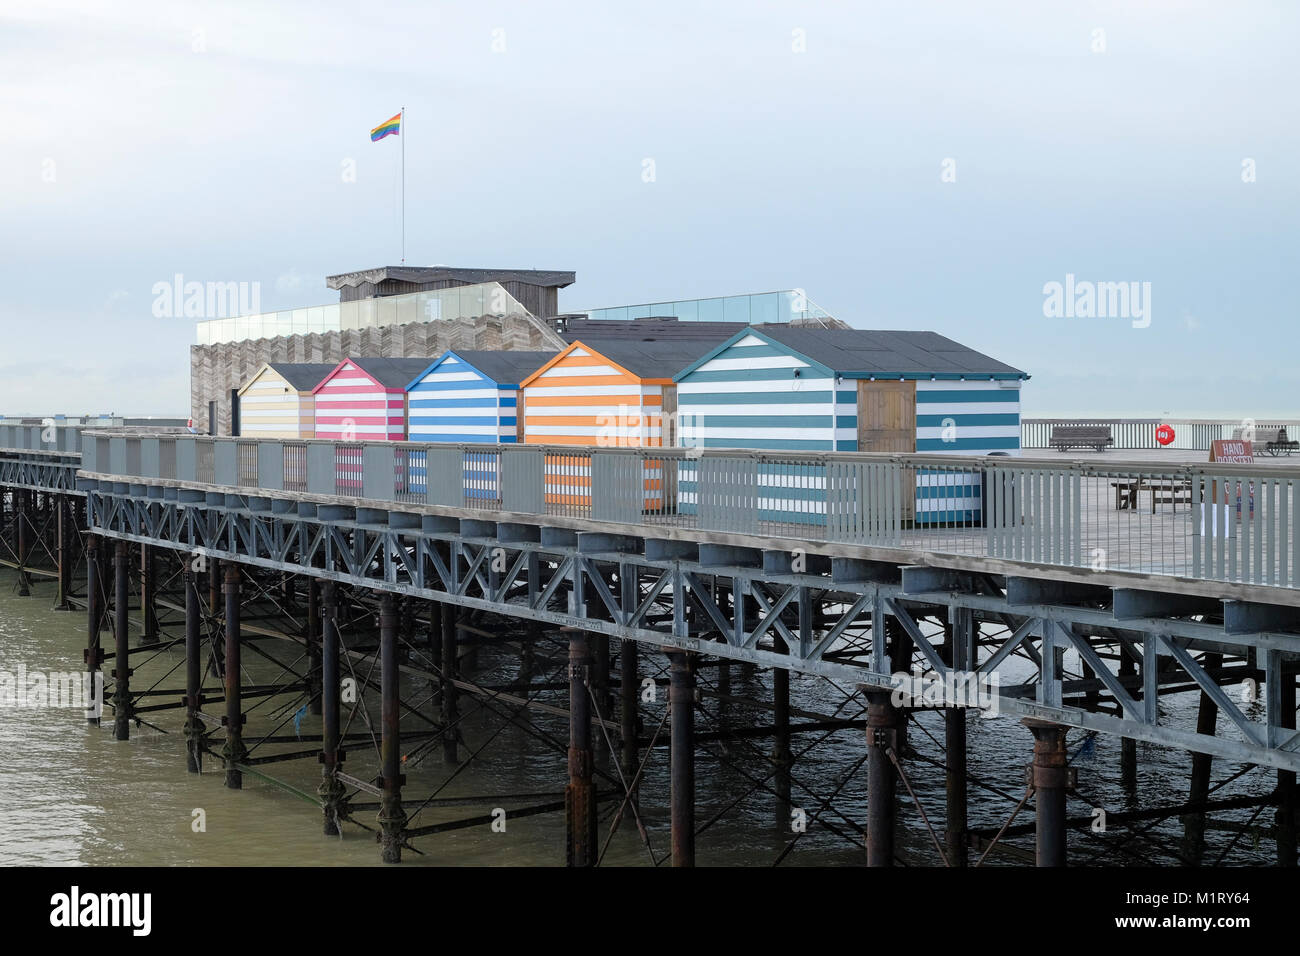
803, 388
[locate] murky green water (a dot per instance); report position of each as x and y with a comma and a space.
71, 794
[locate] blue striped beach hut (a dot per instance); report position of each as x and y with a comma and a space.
471, 396
802, 388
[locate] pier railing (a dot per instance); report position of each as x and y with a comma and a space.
1221, 522
1137, 434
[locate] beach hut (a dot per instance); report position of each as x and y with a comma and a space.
470, 396
364, 399
607, 393
802, 388
277, 401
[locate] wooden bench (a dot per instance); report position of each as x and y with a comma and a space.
1272, 440
1080, 436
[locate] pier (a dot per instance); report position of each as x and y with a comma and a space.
392, 563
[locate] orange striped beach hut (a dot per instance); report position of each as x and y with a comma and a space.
613, 393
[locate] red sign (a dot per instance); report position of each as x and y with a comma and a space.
1232, 450
1165, 434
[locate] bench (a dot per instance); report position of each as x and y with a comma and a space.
1272, 440
1080, 436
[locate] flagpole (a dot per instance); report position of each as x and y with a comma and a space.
401, 132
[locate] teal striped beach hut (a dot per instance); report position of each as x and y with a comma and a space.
801, 388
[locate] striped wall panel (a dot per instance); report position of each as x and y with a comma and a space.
967, 418
350, 406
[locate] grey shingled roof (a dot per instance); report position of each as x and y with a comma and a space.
303, 376
542, 277
392, 372
657, 359
506, 368
863, 351
654, 327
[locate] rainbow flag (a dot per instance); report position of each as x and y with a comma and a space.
389, 127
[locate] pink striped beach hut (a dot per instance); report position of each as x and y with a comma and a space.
364, 399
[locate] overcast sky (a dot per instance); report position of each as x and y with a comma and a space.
911, 165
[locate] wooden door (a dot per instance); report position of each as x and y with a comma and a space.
887, 417
887, 423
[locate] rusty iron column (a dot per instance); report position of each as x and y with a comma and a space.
629, 692
94, 654
331, 789
64, 531
121, 654
1127, 745
194, 729
1285, 818
148, 608
681, 704
781, 756
233, 751
22, 499
580, 794
882, 779
392, 819
450, 715
313, 647
1207, 719
956, 637
1051, 774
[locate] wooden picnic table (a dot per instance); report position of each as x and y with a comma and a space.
1162, 490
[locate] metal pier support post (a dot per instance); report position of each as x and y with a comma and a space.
580, 794
1285, 818
121, 656
148, 609
64, 532
681, 704
450, 715
1051, 780
314, 639
392, 819
331, 788
194, 730
233, 751
781, 757
629, 693
882, 737
23, 501
94, 655
958, 639
1207, 719
1127, 745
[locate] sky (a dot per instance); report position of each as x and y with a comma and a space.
910, 165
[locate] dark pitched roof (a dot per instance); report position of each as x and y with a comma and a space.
542, 277
506, 368
658, 359
304, 376
857, 352
652, 327
391, 372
